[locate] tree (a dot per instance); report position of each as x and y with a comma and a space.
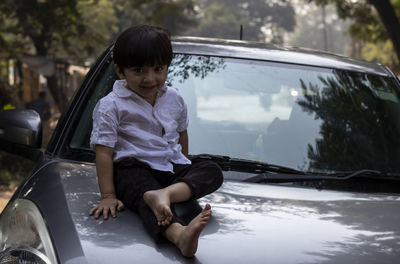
312, 32
261, 19
374, 20
175, 15
45, 26
75, 30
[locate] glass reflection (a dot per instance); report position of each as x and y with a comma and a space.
360, 122
318, 120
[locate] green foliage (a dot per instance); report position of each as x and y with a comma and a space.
175, 15
367, 26
8, 94
78, 29
261, 19
219, 21
381, 52
99, 20
45, 23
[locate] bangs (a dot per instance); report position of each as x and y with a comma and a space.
147, 54
143, 46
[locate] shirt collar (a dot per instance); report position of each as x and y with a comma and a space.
121, 90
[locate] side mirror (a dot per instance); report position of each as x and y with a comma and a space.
21, 132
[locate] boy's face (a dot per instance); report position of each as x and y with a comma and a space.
146, 80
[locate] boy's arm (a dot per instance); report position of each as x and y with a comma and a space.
109, 201
184, 141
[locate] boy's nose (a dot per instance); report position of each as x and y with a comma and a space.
148, 78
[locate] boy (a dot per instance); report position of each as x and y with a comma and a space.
141, 143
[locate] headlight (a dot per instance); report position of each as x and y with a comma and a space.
24, 236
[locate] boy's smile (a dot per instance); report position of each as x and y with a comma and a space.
145, 81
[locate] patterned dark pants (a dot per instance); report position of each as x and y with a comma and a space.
133, 178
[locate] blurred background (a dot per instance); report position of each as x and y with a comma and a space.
47, 46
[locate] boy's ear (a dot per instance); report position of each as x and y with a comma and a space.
119, 72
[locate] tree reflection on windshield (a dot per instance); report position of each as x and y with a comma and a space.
184, 66
360, 117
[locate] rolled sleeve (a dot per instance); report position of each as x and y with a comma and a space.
104, 127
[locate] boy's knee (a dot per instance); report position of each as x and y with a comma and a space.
215, 173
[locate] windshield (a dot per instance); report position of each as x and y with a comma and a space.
307, 118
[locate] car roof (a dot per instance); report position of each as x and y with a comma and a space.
273, 53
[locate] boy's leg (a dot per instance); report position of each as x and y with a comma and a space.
191, 182
202, 177
132, 180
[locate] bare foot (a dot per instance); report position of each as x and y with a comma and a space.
160, 204
189, 237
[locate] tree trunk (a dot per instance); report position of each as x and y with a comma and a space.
390, 21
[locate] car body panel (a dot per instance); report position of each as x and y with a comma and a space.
251, 223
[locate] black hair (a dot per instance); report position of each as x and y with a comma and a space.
142, 45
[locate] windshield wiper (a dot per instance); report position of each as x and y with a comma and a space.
275, 173
366, 173
243, 165
343, 176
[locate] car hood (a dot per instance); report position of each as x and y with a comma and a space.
251, 223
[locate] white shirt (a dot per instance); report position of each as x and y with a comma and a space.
126, 122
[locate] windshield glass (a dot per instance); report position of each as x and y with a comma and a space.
307, 118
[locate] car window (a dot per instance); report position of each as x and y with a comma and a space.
81, 136
308, 118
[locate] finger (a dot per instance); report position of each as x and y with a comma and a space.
120, 206
98, 212
105, 213
92, 210
112, 211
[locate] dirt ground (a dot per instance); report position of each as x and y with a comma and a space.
5, 195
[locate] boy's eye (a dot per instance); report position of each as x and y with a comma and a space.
137, 70
159, 68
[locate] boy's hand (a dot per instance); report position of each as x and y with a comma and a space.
106, 205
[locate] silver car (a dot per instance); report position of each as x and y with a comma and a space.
309, 144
